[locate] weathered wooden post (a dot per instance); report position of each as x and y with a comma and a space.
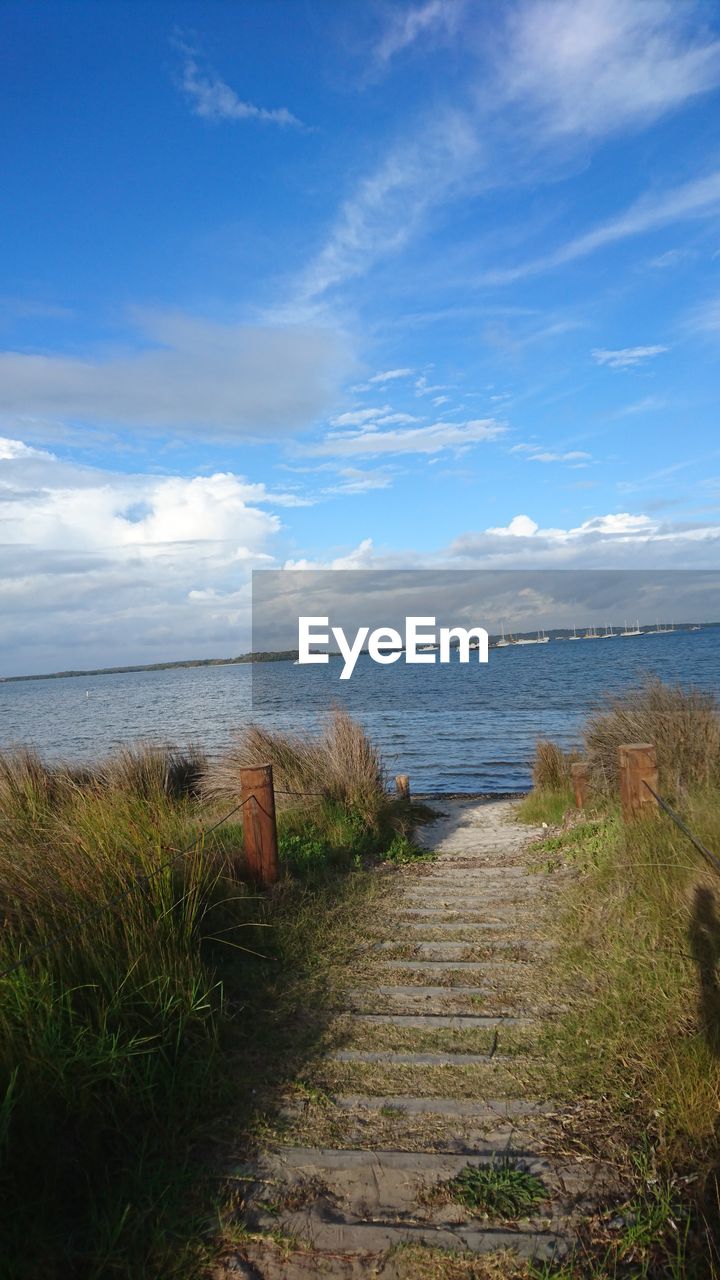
259, 825
580, 775
638, 765
402, 784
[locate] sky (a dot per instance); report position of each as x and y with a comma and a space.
354, 286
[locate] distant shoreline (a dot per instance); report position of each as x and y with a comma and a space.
284, 655
288, 655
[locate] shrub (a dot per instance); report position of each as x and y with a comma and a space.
340, 764
682, 723
148, 769
402, 850
551, 767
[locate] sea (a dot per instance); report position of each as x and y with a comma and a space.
452, 728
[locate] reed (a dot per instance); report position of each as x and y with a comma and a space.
339, 766
110, 1035
682, 723
551, 766
639, 944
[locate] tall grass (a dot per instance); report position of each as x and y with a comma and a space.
109, 1038
551, 766
682, 723
340, 765
96, 1031
552, 793
640, 943
645, 936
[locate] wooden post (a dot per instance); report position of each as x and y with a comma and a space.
402, 783
638, 765
259, 826
579, 773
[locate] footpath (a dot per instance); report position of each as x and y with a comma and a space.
433, 1093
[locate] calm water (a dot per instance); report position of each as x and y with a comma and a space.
451, 728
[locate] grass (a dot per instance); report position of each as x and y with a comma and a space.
549, 807
551, 766
642, 938
639, 940
122, 1048
340, 763
682, 723
503, 1189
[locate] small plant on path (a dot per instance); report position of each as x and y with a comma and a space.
403, 850
502, 1189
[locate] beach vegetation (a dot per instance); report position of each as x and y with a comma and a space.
147, 991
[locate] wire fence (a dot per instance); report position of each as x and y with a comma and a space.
679, 822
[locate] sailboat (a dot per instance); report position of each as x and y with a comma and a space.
631, 632
502, 643
541, 639
574, 635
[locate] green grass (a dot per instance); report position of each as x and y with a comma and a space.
503, 1189
402, 850
638, 937
124, 1049
545, 806
639, 940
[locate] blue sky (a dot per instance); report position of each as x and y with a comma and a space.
359, 285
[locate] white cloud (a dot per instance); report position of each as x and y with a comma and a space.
397, 419
535, 453
184, 374
371, 419
425, 388
17, 449
705, 318
424, 440
357, 417
618, 540
648, 404
626, 357
593, 68
212, 99
388, 207
408, 25
119, 567
354, 480
519, 527
555, 75
577, 456
696, 199
671, 258
361, 557
391, 375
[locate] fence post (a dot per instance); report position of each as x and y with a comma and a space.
579, 774
259, 826
638, 765
402, 784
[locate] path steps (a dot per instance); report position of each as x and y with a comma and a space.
375, 1179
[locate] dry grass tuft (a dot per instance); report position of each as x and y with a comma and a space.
683, 723
551, 766
341, 764
149, 769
